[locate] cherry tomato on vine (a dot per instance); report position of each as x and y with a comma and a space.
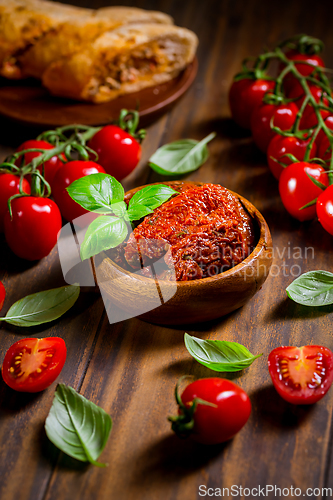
309, 118
50, 167
244, 96
297, 189
118, 151
69, 173
2, 295
280, 146
228, 411
325, 150
33, 230
321, 133
9, 185
31, 364
301, 375
325, 209
304, 69
284, 116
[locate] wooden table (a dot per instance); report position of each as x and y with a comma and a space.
130, 368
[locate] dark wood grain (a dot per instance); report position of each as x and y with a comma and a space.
130, 368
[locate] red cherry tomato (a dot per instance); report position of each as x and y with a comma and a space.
31, 365
297, 190
118, 152
321, 133
216, 424
244, 96
301, 375
33, 230
325, 150
325, 209
2, 295
50, 167
9, 185
69, 173
309, 118
304, 69
284, 116
280, 146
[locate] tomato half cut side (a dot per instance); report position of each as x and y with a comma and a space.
31, 365
301, 375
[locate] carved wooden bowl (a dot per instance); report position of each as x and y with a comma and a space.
128, 294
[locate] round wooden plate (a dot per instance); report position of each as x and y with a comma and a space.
30, 103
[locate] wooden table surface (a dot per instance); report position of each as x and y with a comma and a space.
130, 368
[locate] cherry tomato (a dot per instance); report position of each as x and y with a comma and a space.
31, 365
304, 69
218, 423
301, 375
297, 190
9, 185
2, 295
50, 167
321, 133
284, 116
325, 150
244, 96
280, 146
70, 172
325, 209
33, 230
309, 118
118, 152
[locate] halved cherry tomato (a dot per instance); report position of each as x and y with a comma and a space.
244, 96
50, 167
280, 146
301, 375
228, 411
297, 189
9, 185
31, 364
118, 151
2, 295
324, 209
283, 115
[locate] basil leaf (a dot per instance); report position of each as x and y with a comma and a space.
314, 288
119, 208
95, 192
136, 212
180, 157
42, 307
219, 355
152, 196
103, 233
77, 426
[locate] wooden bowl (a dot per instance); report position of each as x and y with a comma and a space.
128, 294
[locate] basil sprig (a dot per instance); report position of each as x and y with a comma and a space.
77, 426
314, 288
219, 355
42, 307
180, 157
103, 194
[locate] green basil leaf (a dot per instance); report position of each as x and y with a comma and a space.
314, 288
219, 355
119, 208
42, 307
103, 233
77, 426
152, 196
96, 192
136, 212
180, 157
